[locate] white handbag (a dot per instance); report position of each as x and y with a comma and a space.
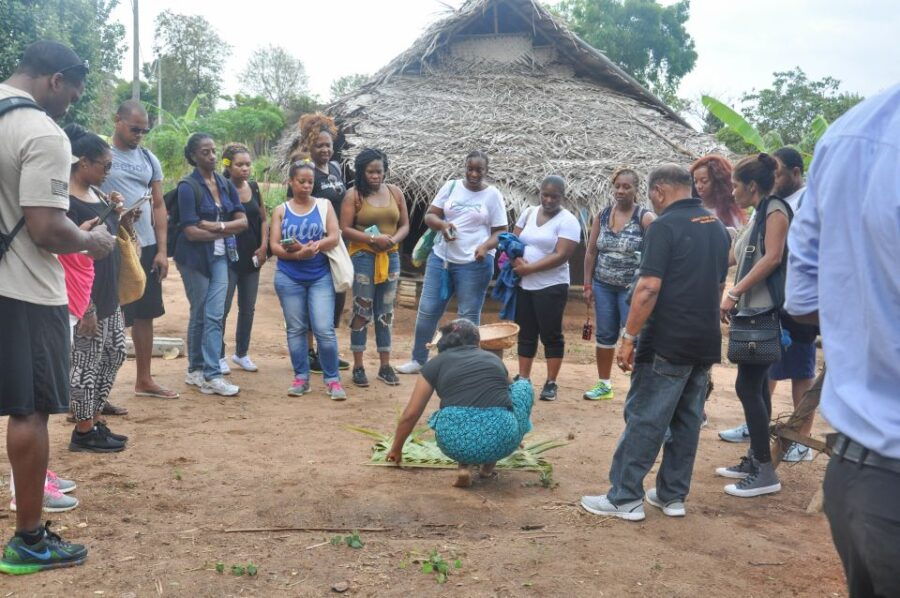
338, 256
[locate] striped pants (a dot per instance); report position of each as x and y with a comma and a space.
95, 362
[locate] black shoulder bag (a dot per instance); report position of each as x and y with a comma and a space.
7, 105
754, 335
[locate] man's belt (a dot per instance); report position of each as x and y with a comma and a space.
846, 448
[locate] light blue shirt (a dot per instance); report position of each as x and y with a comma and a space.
131, 175
845, 262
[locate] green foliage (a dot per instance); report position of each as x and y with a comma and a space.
85, 26
167, 141
274, 74
435, 564
344, 85
647, 40
256, 124
353, 540
794, 101
742, 137
193, 58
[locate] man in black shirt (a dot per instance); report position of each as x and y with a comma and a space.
675, 309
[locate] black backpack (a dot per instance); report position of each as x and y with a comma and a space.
171, 201
8, 105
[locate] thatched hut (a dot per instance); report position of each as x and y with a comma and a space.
507, 77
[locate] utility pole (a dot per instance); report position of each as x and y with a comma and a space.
159, 112
136, 77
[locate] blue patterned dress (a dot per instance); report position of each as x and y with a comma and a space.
479, 435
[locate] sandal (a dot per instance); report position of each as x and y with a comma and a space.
110, 409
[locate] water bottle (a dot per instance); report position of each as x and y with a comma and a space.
231, 249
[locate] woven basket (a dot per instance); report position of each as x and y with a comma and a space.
494, 337
132, 279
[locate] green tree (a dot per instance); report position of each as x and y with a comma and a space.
193, 57
167, 141
344, 85
85, 26
789, 106
646, 39
274, 74
255, 122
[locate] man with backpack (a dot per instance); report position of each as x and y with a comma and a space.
35, 160
136, 173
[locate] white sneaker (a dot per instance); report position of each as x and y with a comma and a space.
673, 508
600, 505
411, 367
245, 363
218, 386
223, 367
797, 453
194, 378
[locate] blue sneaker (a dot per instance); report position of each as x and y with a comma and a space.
739, 434
797, 453
51, 552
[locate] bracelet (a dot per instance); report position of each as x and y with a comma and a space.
221, 226
629, 337
732, 297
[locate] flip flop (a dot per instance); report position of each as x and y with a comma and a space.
110, 409
158, 394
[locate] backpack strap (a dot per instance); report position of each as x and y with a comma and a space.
256, 193
16, 102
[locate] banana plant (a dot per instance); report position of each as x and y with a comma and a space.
168, 140
770, 141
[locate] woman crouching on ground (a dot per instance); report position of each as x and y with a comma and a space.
303, 229
482, 417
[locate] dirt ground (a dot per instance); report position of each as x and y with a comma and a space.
154, 516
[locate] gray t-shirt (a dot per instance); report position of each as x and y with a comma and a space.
757, 297
132, 173
468, 377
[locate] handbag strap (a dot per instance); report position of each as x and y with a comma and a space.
758, 236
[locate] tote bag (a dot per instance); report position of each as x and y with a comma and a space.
338, 256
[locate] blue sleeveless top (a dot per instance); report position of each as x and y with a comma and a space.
305, 228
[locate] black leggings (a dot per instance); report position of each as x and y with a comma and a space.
540, 313
752, 387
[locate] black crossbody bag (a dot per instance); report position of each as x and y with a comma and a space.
754, 336
7, 105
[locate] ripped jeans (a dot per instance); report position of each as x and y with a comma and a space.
373, 301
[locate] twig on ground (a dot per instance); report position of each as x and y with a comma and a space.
776, 564
317, 545
368, 530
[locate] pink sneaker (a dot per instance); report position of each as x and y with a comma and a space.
336, 391
54, 500
63, 485
299, 387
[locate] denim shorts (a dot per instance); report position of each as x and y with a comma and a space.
798, 362
611, 313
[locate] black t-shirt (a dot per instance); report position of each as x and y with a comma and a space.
249, 240
105, 292
329, 186
468, 377
687, 247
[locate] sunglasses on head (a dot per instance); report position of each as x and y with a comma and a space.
83, 67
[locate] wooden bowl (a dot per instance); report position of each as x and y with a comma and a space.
494, 337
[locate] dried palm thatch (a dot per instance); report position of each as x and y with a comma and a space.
558, 106
420, 451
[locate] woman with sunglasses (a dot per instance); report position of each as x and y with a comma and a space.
98, 349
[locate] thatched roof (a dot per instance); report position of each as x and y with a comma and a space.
556, 105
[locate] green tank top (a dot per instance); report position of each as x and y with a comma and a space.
387, 219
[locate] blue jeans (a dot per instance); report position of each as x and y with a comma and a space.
305, 305
247, 286
205, 327
470, 283
610, 313
373, 301
662, 395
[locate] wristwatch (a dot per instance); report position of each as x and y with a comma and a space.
629, 337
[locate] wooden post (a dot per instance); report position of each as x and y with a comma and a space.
788, 432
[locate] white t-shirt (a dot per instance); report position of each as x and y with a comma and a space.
474, 213
540, 241
35, 159
793, 199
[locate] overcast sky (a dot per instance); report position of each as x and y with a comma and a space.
740, 44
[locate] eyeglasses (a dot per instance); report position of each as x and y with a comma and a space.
138, 131
107, 166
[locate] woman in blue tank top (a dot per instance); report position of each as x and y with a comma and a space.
300, 238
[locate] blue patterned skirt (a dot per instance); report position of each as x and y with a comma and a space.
478, 435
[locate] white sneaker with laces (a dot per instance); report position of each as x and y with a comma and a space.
194, 378
410, 367
218, 386
600, 505
797, 453
223, 367
673, 508
245, 363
